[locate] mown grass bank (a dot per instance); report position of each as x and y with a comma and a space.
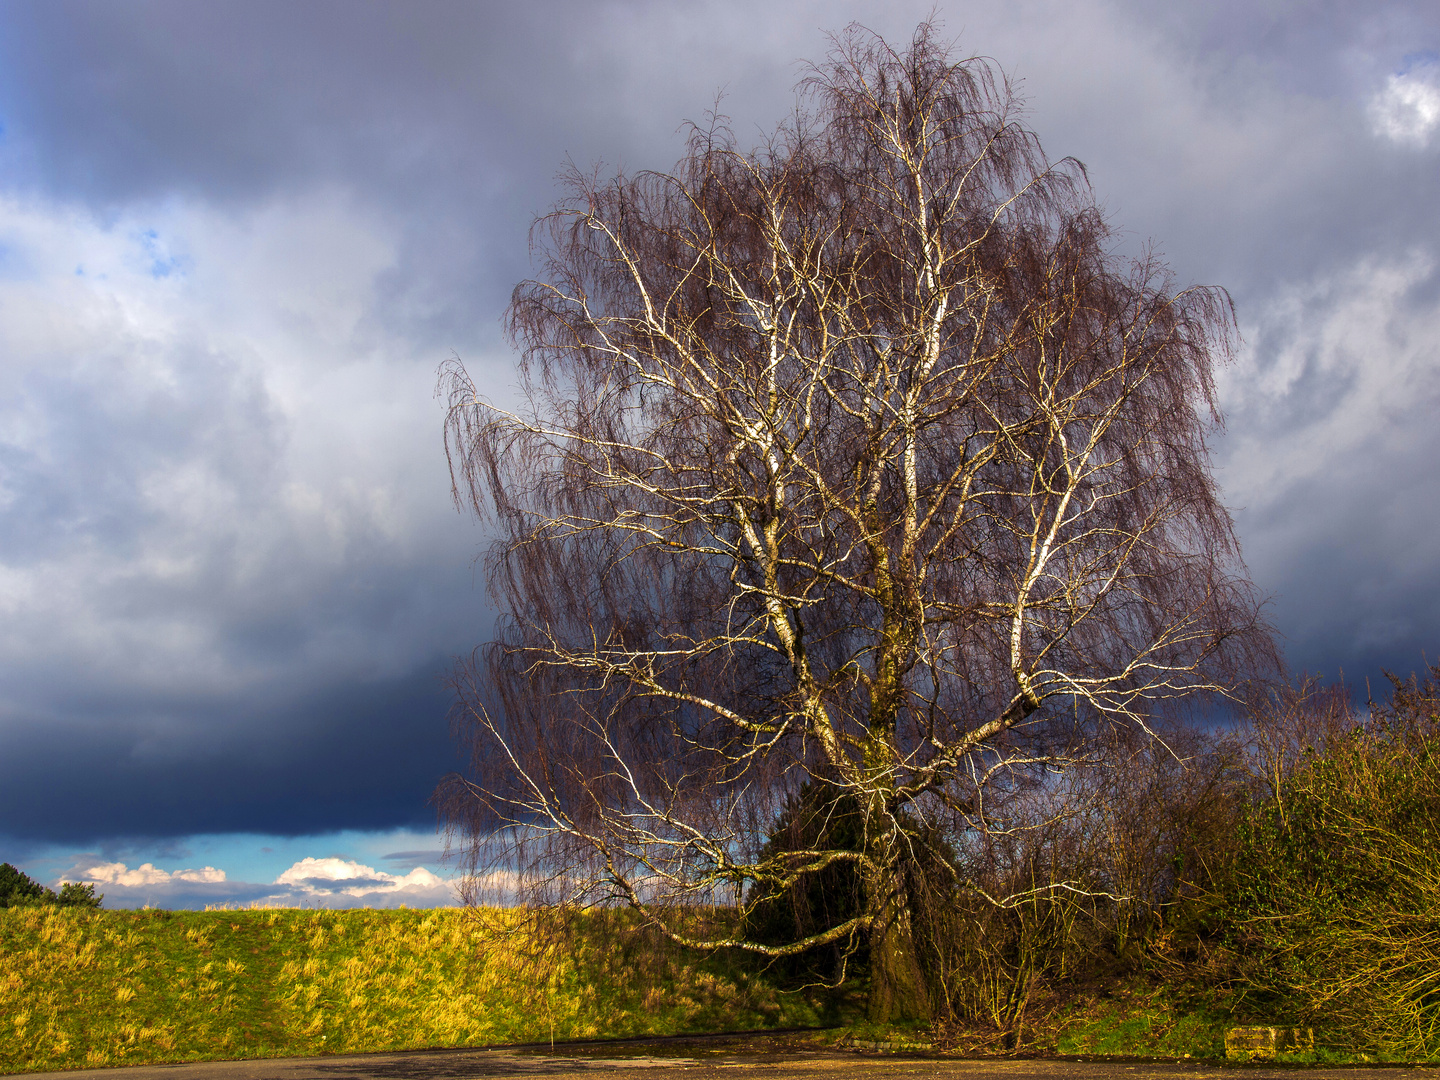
95, 988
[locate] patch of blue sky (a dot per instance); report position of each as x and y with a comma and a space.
1410, 63
16, 263
163, 262
256, 858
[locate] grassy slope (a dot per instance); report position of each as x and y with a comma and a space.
81, 988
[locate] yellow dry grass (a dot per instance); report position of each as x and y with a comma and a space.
92, 988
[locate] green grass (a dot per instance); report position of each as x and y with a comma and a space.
96, 988
83, 988
1142, 1021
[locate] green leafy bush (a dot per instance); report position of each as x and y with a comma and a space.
74, 894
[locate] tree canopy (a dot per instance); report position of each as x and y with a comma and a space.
854, 472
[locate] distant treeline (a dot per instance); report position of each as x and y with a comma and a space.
19, 890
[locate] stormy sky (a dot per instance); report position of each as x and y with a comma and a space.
237, 239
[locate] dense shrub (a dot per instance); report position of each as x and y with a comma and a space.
17, 889
1335, 900
1105, 875
74, 894
815, 818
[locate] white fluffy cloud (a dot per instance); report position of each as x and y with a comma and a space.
117, 873
329, 877
1407, 110
309, 882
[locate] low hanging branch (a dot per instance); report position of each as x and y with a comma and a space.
855, 470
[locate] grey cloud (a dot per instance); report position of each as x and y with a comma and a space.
228, 502
187, 894
309, 893
215, 600
75, 481
235, 100
323, 884
1330, 455
415, 858
459, 114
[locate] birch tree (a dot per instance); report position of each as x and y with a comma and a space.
856, 468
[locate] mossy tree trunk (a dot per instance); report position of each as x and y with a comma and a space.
899, 988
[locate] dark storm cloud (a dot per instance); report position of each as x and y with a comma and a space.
353, 756
236, 101
237, 238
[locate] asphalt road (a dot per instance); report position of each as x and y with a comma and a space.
700, 1062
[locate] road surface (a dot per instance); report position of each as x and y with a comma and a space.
694, 1060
